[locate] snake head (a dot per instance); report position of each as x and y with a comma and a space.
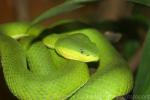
77, 47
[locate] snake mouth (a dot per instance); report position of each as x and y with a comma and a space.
92, 62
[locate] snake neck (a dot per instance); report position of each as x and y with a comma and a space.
108, 55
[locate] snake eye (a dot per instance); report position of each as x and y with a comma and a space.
82, 51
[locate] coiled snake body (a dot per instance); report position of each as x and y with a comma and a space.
59, 72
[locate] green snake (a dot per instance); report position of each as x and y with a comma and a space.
55, 68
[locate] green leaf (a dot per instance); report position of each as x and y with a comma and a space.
143, 2
142, 83
65, 7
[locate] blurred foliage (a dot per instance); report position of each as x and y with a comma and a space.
67, 6
130, 47
142, 88
143, 2
142, 83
